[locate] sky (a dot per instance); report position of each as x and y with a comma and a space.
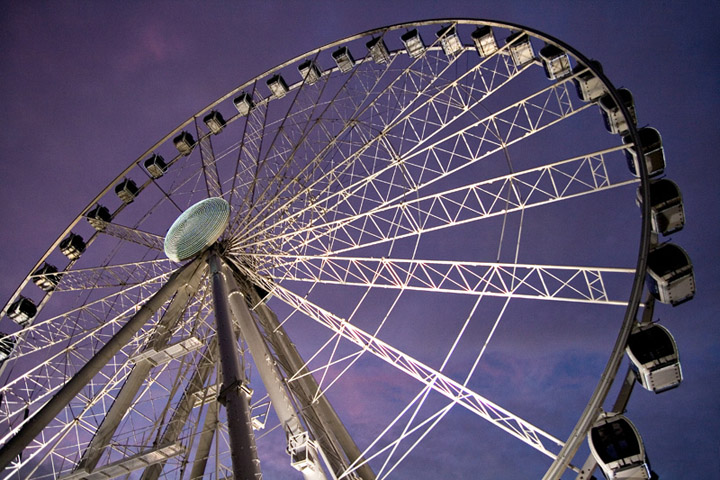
87, 87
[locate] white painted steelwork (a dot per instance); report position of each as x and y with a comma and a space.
375, 189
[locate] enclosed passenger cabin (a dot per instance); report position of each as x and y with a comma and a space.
612, 115
378, 50
214, 121
46, 277
156, 166
555, 61
98, 217
244, 103
126, 190
72, 246
413, 43
521, 49
484, 40
618, 449
309, 71
449, 40
343, 59
654, 356
667, 214
7, 345
670, 275
651, 146
589, 86
184, 143
22, 311
278, 86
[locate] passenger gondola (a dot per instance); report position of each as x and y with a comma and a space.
521, 49
46, 277
343, 59
99, 217
184, 143
309, 72
618, 449
589, 87
72, 246
670, 276
126, 190
378, 50
22, 311
654, 356
555, 61
413, 43
243, 103
155, 165
612, 115
667, 214
449, 40
278, 86
214, 121
485, 42
651, 146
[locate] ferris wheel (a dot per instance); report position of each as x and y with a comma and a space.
352, 264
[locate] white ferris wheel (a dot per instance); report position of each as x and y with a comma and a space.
376, 238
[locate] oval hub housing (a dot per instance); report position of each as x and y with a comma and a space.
197, 228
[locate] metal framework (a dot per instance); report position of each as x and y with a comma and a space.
407, 181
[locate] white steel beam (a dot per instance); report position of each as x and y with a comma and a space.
128, 465
137, 377
306, 389
539, 282
245, 462
265, 364
50, 410
402, 217
460, 394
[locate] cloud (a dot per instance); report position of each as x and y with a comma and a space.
155, 44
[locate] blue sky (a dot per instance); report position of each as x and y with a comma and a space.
88, 87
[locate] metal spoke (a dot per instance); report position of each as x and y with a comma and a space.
409, 168
408, 116
209, 165
439, 382
541, 282
399, 217
45, 415
130, 234
125, 275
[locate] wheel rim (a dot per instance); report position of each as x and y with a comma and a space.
351, 168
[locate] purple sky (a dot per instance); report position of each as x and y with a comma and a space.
87, 87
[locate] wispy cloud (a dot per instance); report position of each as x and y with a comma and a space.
154, 44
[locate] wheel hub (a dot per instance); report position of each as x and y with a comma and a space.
197, 228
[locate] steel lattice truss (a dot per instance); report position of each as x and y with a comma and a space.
439, 177
504, 280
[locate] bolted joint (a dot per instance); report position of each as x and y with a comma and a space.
235, 387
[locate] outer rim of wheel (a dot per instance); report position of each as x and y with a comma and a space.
595, 402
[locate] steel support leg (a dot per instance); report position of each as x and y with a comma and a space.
140, 371
243, 451
308, 387
335, 441
203, 370
303, 452
61, 399
206, 437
